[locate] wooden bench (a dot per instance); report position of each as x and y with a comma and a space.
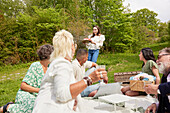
124, 76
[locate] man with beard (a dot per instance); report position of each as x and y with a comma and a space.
163, 90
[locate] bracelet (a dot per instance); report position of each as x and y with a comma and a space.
90, 79
87, 81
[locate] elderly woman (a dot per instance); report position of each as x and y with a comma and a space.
59, 92
26, 95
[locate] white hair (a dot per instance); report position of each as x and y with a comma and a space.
62, 43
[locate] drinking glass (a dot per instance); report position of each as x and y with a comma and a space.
101, 66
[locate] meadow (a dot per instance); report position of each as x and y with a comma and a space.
11, 75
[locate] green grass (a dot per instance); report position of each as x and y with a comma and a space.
8, 90
11, 76
10, 81
119, 63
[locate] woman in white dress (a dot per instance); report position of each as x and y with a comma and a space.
59, 93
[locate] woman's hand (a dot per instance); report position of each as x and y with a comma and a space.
98, 74
93, 42
75, 105
152, 108
78, 87
28, 88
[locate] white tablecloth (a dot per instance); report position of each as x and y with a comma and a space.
130, 103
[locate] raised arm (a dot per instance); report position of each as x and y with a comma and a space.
78, 87
64, 87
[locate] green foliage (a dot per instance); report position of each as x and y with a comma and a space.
163, 32
11, 8
169, 33
157, 46
28, 24
114, 23
145, 27
145, 17
22, 35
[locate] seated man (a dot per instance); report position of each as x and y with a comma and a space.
79, 66
163, 90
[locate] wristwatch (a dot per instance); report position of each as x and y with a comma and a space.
88, 81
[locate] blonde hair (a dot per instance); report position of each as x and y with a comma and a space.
62, 43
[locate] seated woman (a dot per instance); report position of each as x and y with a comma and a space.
26, 95
59, 91
149, 66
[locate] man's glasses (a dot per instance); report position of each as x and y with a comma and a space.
159, 56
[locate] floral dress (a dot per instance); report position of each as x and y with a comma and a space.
24, 101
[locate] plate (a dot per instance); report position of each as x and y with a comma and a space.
86, 40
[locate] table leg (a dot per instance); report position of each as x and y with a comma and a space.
115, 107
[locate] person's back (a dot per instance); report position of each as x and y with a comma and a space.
47, 94
147, 68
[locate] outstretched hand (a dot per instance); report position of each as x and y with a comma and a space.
151, 89
96, 75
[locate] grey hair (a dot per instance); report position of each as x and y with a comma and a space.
45, 51
166, 50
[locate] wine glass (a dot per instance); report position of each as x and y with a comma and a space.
101, 66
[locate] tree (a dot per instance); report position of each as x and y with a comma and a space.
169, 33
114, 23
145, 27
145, 17
11, 8
163, 32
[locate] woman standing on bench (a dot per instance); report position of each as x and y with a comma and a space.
149, 66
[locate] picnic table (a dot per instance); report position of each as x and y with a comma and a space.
119, 103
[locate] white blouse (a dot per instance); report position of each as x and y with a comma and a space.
98, 40
54, 94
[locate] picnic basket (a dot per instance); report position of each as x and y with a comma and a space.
138, 85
